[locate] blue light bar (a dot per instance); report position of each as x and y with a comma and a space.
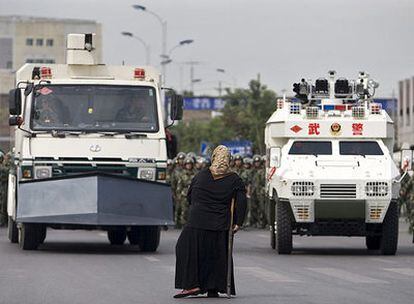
328, 107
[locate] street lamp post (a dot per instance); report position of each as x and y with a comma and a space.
163, 37
146, 46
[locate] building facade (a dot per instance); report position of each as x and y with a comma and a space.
405, 112
34, 40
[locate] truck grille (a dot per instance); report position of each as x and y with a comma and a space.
338, 191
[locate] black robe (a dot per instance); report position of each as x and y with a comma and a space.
201, 250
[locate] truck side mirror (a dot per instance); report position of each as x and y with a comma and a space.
176, 110
15, 102
15, 121
275, 155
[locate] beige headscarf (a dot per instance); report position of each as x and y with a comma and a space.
220, 162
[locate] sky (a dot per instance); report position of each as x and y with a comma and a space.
280, 40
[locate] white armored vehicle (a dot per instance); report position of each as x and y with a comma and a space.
90, 150
330, 169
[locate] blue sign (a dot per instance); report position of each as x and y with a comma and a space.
205, 148
243, 147
203, 103
388, 104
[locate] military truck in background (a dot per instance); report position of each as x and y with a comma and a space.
89, 150
330, 170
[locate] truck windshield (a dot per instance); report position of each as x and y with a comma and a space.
311, 148
359, 148
94, 108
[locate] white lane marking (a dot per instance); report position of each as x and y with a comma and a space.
383, 260
151, 259
404, 271
346, 275
266, 275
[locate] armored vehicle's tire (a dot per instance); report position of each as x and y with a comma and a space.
29, 236
133, 236
284, 228
272, 224
42, 234
12, 231
373, 242
389, 240
117, 236
149, 238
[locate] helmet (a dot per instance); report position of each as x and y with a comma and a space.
181, 155
238, 157
200, 160
169, 162
248, 160
192, 155
257, 158
188, 160
264, 157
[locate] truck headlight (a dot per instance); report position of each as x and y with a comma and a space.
146, 173
42, 172
376, 189
303, 188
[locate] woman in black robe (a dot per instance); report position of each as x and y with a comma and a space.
202, 248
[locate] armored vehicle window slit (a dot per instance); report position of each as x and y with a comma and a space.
359, 148
311, 148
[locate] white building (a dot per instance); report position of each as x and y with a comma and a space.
405, 112
34, 40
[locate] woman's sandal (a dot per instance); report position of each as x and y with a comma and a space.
186, 293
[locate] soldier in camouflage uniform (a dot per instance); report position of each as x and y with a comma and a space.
169, 171
184, 181
178, 168
246, 176
258, 207
199, 164
238, 164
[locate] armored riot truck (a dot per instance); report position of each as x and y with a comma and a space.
330, 170
89, 150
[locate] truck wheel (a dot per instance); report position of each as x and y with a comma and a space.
284, 228
149, 238
373, 242
29, 236
12, 231
133, 236
389, 240
272, 222
42, 234
117, 236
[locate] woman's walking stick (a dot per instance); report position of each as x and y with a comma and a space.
230, 251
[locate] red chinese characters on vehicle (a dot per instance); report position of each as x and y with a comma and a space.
313, 129
357, 128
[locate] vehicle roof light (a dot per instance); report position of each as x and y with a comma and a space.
312, 112
139, 73
358, 112
375, 108
279, 104
45, 72
294, 108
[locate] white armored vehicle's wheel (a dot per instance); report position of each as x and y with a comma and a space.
373, 242
284, 228
29, 236
42, 234
272, 226
389, 240
12, 231
149, 238
117, 236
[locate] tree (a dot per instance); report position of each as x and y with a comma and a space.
243, 117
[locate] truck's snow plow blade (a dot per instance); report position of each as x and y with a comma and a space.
95, 199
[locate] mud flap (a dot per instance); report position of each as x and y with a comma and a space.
95, 199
